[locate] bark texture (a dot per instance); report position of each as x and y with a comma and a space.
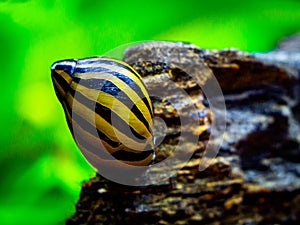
255, 177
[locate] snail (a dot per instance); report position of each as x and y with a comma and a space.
115, 95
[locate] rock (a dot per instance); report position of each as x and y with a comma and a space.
255, 177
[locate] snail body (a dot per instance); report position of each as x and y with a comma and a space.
107, 107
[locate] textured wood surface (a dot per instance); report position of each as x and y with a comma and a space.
254, 179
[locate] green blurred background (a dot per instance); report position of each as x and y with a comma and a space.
41, 168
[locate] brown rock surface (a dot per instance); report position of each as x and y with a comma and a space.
254, 179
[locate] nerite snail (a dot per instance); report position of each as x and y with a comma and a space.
122, 104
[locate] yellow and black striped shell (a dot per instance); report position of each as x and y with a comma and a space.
115, 95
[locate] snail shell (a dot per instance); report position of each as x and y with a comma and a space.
115, 95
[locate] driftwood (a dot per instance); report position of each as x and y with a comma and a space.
255, 177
